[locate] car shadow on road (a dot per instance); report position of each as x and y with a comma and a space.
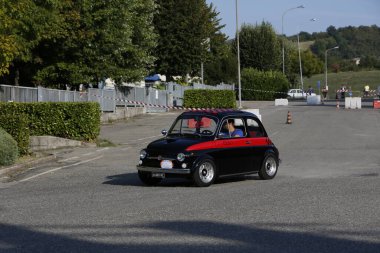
183, 236
132, 179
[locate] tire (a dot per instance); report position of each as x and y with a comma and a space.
205, 173
147, 179
269, 167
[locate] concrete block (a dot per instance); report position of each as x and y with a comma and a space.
348, 102
122, 113
39, 143
281, 102
358, 102
313, 100
254, 111
353, 103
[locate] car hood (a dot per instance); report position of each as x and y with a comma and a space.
173, 145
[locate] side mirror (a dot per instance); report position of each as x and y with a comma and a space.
164, 132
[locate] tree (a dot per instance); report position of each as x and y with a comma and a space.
311, 64
189, 33
259, 47
354, 42
27, 23
222, 69
73, 42
104, 39
263, 85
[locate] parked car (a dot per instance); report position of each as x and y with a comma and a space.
199, 146
298, 94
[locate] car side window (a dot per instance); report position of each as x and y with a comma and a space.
254, 129
232, 128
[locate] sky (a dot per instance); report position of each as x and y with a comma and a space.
339, 13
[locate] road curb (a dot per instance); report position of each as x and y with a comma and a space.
30, 163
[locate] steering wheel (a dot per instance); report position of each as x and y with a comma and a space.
208, 132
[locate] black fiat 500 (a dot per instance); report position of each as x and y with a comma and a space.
210, 144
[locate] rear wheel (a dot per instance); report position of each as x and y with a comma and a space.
146, 178
205, 173
269, 167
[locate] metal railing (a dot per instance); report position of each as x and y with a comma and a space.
155, 100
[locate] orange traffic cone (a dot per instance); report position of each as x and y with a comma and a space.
289, 118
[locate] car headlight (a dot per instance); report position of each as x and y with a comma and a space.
143, 154
181, 157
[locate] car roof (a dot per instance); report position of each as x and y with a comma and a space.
220, 113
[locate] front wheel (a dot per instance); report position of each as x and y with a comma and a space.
146, 178
205, 173
269, 167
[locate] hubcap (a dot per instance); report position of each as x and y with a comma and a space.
206, 172
270, 166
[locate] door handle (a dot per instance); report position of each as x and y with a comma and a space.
247, 142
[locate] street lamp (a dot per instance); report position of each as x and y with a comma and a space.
238, 52
282, 32
299, 52
336, 47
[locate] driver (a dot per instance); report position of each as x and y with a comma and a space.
233, 132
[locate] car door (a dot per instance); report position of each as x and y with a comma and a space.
233, 154
298, 94
258, 143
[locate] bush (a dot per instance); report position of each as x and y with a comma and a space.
209, 99
18, 127
8, 149
263, 85
79, 121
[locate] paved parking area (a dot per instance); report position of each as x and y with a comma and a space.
325, 197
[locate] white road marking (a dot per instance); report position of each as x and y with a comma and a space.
271, 135
147, 138
68, 159
101, 150
87, 154
150, 137
59, 168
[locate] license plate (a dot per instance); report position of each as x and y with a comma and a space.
158, 175
166, 164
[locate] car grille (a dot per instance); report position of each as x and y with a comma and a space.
159, 155
155, 157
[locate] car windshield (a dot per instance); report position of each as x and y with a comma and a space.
194, 125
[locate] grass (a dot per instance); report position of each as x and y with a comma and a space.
306, 44
104, 143
355, 80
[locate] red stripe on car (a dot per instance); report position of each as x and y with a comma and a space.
230, 143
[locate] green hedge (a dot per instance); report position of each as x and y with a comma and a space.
78, 121
17, 125
8, 149
209, 99
263, 85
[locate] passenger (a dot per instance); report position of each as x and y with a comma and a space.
310, 91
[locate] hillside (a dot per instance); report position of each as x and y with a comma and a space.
355, 80
354, 42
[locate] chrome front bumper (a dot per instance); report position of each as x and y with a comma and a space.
160, 170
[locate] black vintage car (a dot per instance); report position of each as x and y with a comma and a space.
210, 144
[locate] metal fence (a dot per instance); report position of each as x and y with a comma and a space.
155, 100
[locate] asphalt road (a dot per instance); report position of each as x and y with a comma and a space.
325, 197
